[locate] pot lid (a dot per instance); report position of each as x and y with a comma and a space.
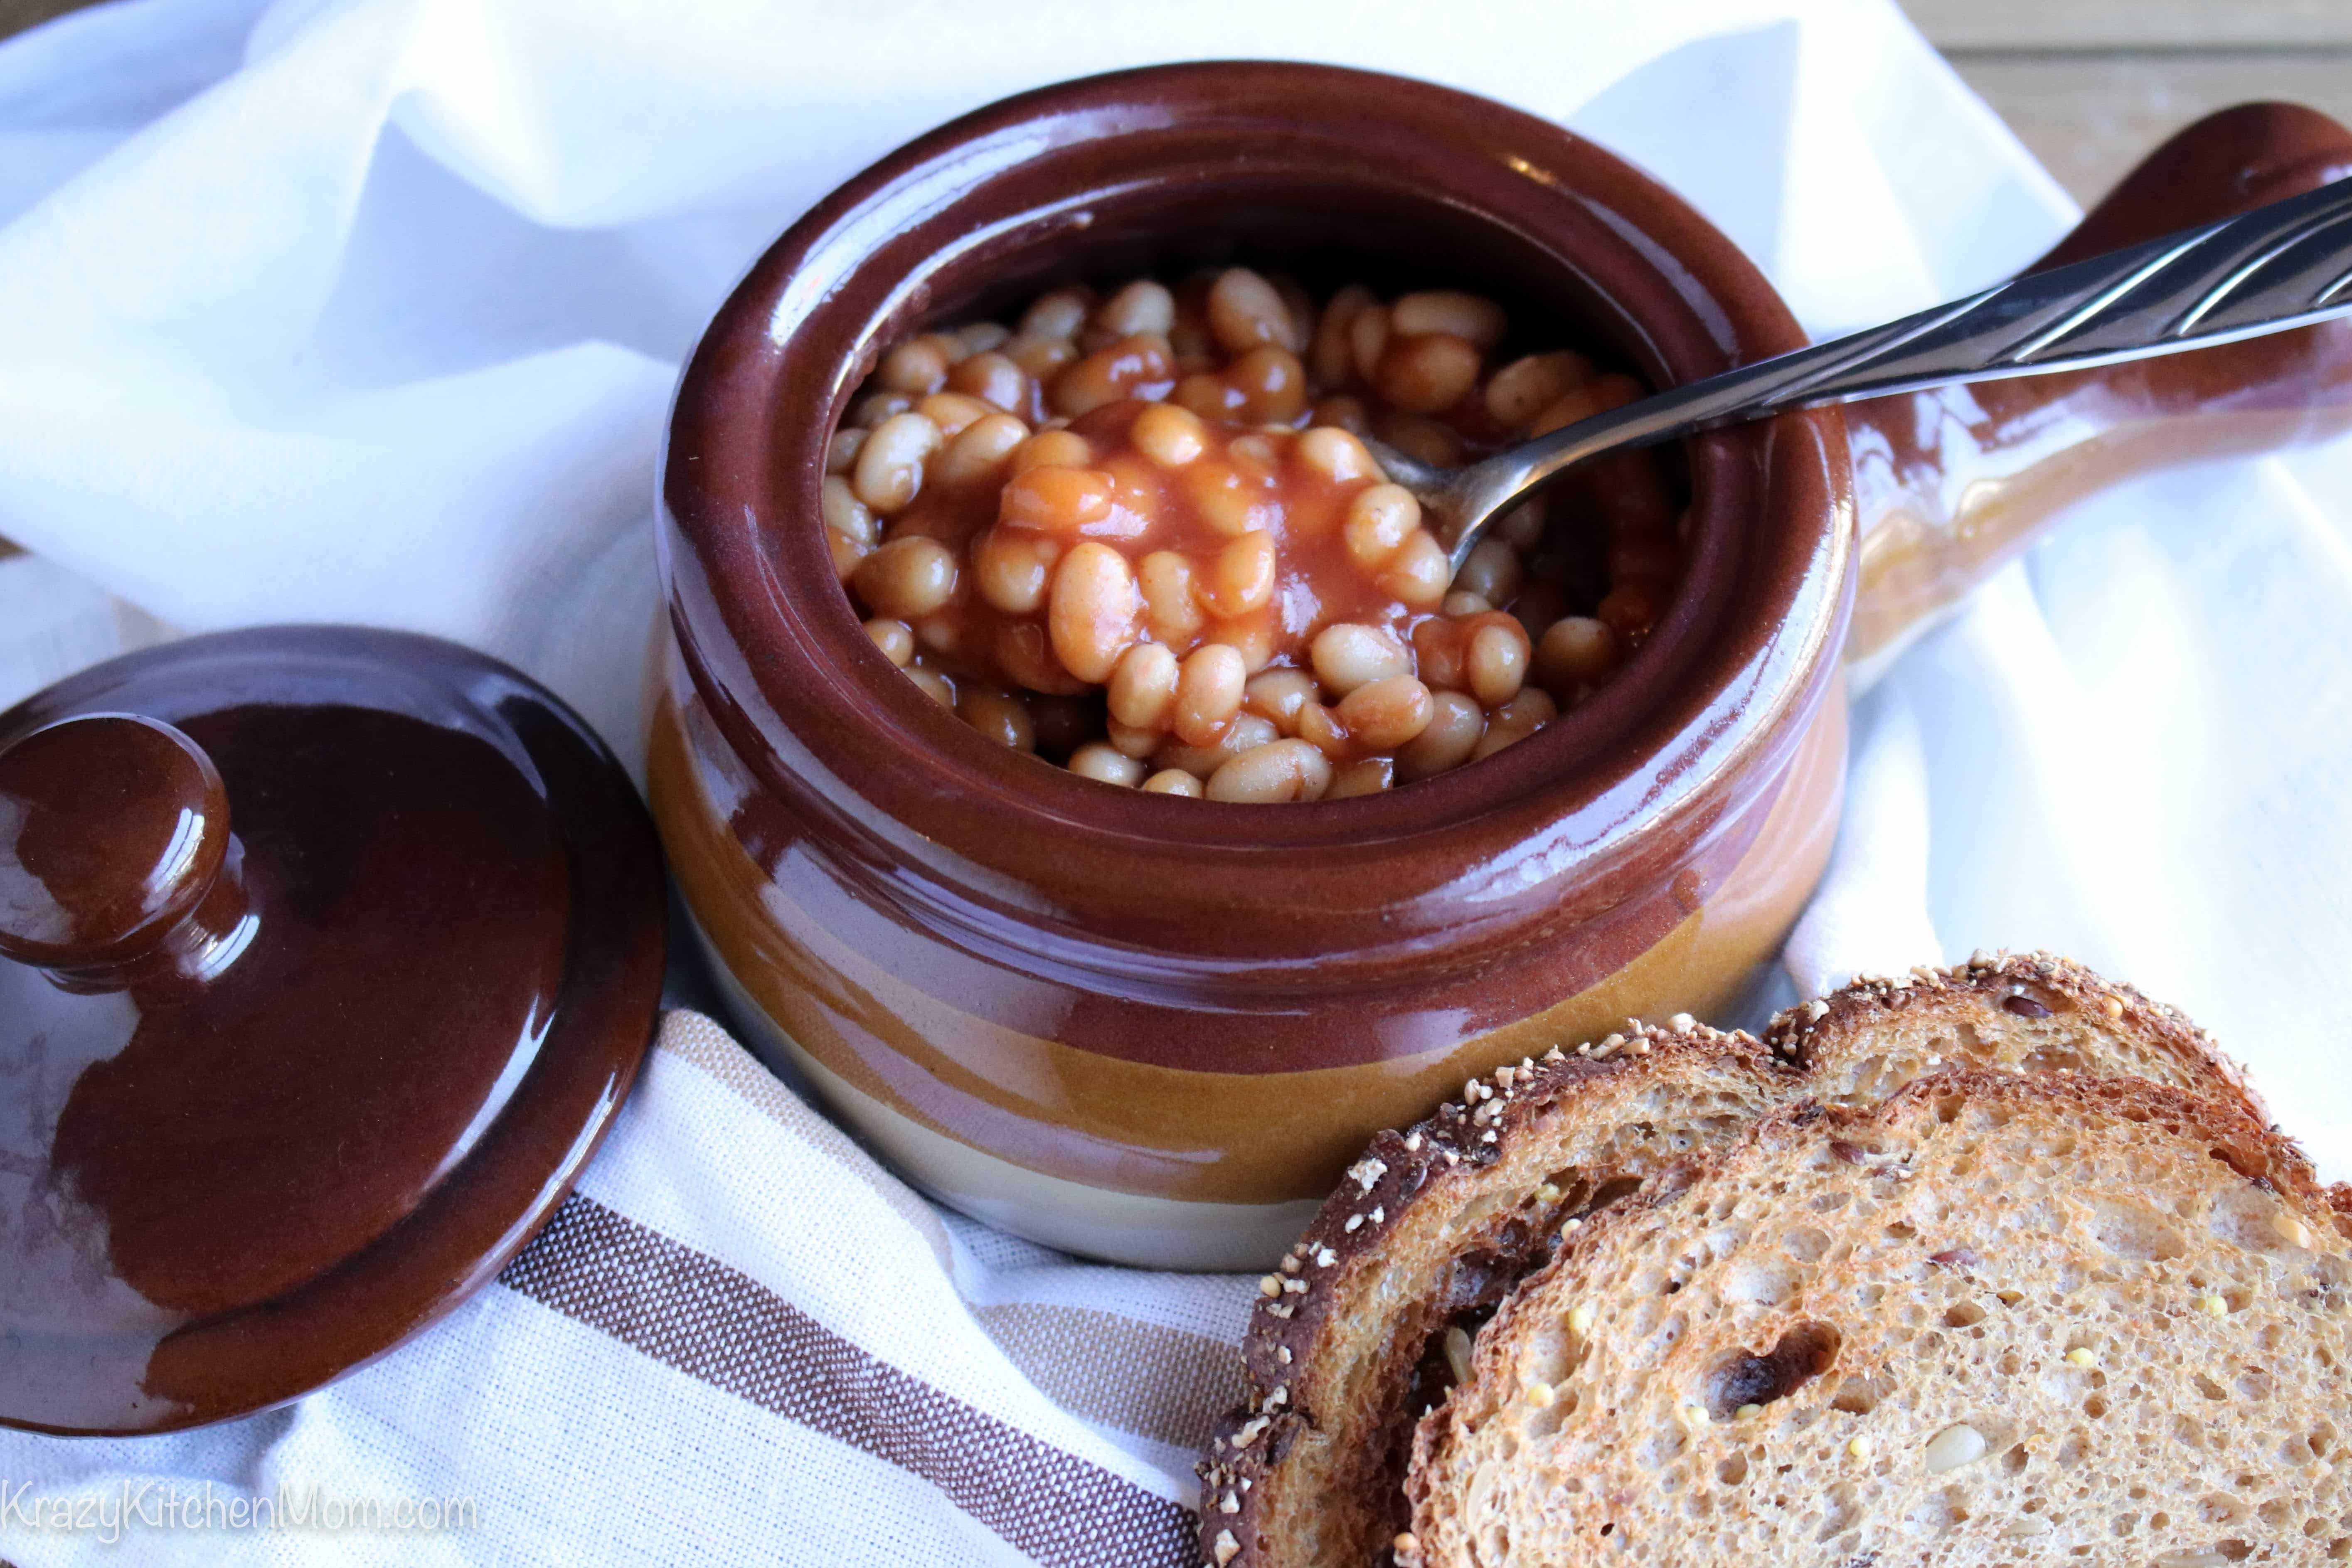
326, 956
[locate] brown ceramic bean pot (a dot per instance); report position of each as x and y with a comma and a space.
1155, 1029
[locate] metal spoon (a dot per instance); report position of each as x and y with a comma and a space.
2288, 264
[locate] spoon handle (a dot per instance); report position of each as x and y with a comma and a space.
2284, 265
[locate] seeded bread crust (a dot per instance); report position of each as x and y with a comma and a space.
1447, 1217
2015, 983
1832, 1355
1288, 1477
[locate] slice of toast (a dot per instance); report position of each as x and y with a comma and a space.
1998, 1318
1426, 1235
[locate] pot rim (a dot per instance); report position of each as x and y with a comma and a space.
939, 818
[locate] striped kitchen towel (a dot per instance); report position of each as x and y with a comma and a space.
740, 1336
371, 310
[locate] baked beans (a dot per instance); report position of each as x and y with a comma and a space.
1140, 534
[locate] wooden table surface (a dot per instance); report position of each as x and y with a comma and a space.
2091, 85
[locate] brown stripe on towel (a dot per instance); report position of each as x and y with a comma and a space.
1084, 1360
693, 1312
1080, 1357
698, 1038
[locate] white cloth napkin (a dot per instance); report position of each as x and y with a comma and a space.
369, 311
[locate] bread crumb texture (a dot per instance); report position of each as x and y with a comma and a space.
1996, 1319
1358, 1332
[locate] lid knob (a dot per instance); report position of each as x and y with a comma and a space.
113, 829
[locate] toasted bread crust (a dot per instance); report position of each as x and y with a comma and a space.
1319, 1442
1436, 1165
1448, 1152
1876, 1001
2232, 1130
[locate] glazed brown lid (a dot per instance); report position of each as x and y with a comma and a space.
326, 956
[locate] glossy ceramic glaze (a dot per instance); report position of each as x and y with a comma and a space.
1953, 483
112, 830
325, 957
1154, 1028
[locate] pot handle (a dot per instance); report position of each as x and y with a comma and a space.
1952, 482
